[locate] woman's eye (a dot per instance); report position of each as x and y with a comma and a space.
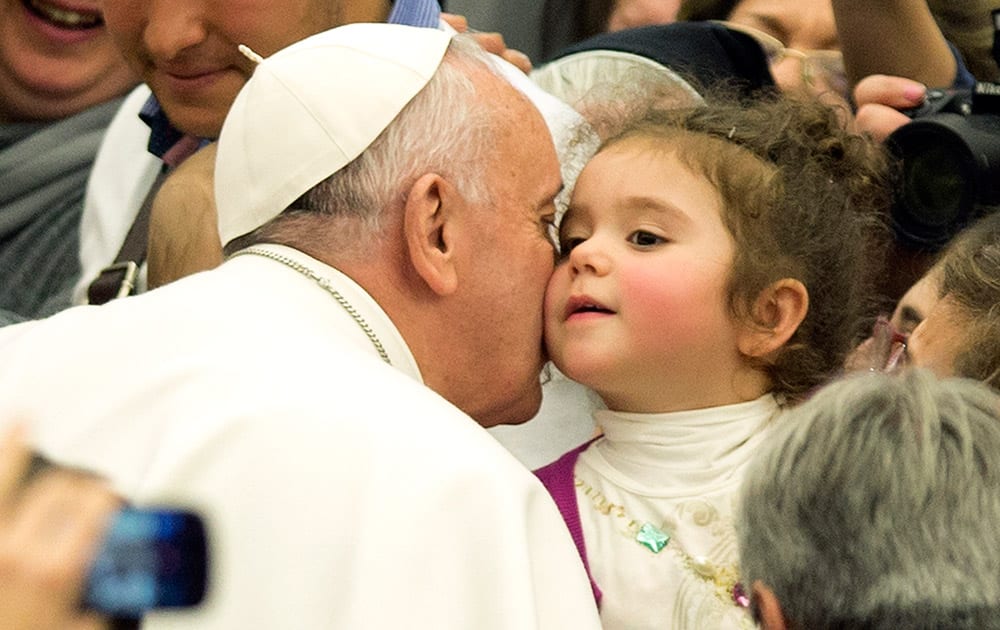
645, 239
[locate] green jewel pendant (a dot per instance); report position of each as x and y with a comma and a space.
652, 537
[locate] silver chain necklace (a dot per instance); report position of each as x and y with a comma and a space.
328, 287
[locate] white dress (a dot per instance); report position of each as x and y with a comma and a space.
681, 473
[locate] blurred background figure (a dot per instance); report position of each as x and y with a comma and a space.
875, 506
967, 25
60, 82
909, 30
959, 334
608, 75
887, 37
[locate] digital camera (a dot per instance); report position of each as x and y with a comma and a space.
949, 156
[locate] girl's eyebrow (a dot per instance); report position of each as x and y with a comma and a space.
633, 204
571, 211
656, 204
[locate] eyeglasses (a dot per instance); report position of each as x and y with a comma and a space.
820, 68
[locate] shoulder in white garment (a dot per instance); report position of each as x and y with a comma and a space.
338, 491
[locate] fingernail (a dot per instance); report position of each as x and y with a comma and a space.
914, 93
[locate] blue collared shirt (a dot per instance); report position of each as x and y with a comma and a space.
163, 135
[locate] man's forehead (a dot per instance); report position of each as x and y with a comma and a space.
574, 141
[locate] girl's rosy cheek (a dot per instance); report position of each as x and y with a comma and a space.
673, 301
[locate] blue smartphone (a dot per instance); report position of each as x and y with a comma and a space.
149, 559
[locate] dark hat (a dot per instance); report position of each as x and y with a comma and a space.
704, 53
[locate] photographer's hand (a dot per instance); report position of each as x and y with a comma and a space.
49, 532
879, 99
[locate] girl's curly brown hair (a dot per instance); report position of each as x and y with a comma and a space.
803, 198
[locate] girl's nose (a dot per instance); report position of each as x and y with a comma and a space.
590, 256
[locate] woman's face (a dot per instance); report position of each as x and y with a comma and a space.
56, 59
805, 26
799, 24
633, 13
938, 341
917, 302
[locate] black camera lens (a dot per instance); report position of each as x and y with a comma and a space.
950, 165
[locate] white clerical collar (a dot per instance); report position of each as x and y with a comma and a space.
367, 317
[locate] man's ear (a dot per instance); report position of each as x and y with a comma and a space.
769, 614
429, 228
774, 318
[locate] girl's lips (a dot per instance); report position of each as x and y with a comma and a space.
580, 305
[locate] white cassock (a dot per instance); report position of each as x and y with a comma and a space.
339, 492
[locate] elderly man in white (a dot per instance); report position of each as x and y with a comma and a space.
321, 396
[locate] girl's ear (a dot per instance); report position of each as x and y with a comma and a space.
428, 224
774, 318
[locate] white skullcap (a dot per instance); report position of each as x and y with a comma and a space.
573, 76
312, 108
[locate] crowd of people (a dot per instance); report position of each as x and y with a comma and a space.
432, 338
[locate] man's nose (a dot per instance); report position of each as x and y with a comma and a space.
174, 26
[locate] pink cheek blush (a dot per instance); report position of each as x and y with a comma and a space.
678, 302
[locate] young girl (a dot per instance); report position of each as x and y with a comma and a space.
714, 266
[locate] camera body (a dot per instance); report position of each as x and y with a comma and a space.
949, 157
939, 101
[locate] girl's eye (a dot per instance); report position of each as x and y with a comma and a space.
645, 239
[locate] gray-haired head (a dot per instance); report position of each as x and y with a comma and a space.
443, 129
876, 505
